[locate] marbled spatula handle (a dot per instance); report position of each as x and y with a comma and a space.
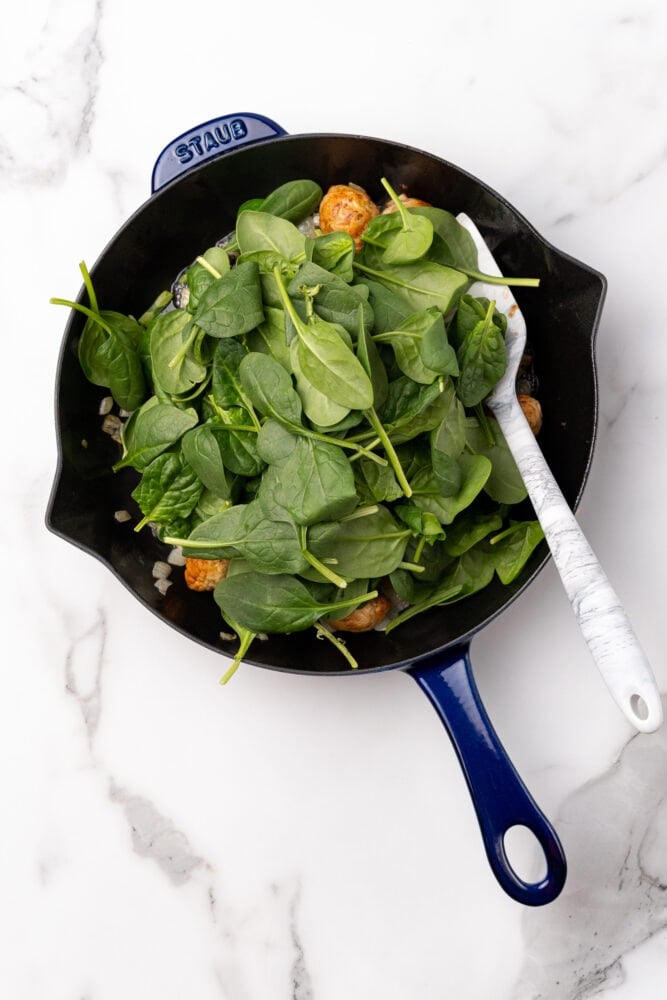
603, 622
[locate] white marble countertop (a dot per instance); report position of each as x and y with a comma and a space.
301, 837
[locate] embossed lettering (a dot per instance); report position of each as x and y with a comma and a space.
222, 134
183, 152
238, 127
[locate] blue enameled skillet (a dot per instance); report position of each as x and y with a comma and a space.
198, 183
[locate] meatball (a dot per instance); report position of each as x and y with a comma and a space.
205, 574
391, 206
365, 618
532, 411
347, 208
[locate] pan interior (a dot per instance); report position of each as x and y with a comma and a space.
192, 213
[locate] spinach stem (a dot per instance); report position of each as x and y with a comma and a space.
386, 338
413, 567
396, 200
208, 267
182, 353
394, 460
505, 534
361, 512
324, 633
316, 563
419, 548
95, 316
287, 302
493, 279
245, 637
490, 279
89, 286
484, 423
228, 425
161, 302
385, 276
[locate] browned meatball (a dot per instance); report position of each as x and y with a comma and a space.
365, 618
532, 412
391, 206
347, 208
205, 574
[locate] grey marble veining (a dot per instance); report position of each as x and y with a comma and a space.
302, 838
616, 896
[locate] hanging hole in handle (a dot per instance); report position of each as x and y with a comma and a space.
639, 707
525, 854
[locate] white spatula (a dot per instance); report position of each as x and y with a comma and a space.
603, 622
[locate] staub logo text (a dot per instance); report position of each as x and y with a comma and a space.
211, 139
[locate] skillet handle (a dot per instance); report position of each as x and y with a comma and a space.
208, 141
500, 798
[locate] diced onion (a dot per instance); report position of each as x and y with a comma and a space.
161, 570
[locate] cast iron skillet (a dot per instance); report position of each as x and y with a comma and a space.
196, 193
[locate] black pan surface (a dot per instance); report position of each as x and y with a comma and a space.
193, 212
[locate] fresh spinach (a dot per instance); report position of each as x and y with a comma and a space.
314, 414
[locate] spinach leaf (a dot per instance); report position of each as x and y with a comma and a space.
314, 482
334, 252
470, 311
410, 408
389, 310
505, 483
318, 407
422, 284
232, 305
333, 299
244, 531
406, 343
372, 364
482, 359
452, 244
201, 451
151, 429
330, 366
475, 470
237, 440
414, 237
421, 523
99, 328
275, 442
513, 548
270, 337
226, 387
173, 362
270, 388
467, 530
376, 483
294, 200
125, 375
370, 546
215, 537
261, 231
436, 351
168, 489
279, 603
206, 269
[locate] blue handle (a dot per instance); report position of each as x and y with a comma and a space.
500, 798
208, 141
